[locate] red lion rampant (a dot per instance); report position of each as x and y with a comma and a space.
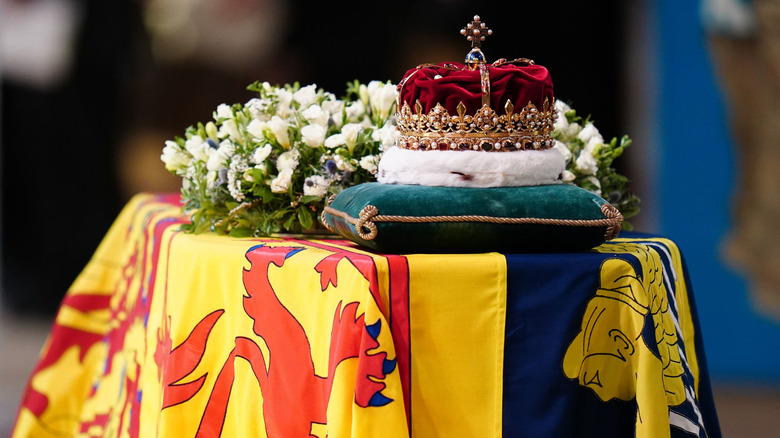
294, 396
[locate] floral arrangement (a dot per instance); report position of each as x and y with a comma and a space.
589, 160
269, 165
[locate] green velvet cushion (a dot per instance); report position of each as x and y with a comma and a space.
419, 219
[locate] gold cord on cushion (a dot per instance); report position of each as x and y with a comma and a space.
369, 216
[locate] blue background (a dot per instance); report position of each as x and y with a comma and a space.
695, 186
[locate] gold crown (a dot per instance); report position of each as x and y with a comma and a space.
530, 129
484, 130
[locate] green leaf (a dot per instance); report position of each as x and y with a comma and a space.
309, 199
240, 232
263, 191
289, 222
304, 216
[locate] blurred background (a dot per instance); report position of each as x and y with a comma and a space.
91, 90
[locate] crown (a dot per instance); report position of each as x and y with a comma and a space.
474, 106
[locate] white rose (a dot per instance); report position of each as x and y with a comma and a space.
281, 183
315, 114
315, 185
313, 135
561, 123
386, 135
306, 95
218, 159
260, 154
278, 128
563, 149
369, 163
382, 97
198, 148
335, 141
567, 176
589, 132
173, 157
586, 163
572, 130
288, 160
594, 144
562, 107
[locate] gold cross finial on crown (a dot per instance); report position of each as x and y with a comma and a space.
475, 31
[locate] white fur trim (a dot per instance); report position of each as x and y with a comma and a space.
471, 168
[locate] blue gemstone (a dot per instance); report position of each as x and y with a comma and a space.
475, 56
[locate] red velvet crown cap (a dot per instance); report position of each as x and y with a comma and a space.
451, 83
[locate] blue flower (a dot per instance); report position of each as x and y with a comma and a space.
331, 167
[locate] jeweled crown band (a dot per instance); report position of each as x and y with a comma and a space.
530, 129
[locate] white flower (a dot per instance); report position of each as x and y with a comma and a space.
285, 99
306, 95
562, 107
198, 148
174, 158
223, 112
228, 129
572, 130
586, 163
386, 135
369, 163
342, 164
235, 174
313, 135
561, 123
218, 159
363, 94
315, 185
281, 183
279, 130
356, 111
315, 114
335, 141
334, 108
262, 167
567, 176
563, 149
594, 144
351, 132
260, 154
288, 160
255, 128
589, 132
258, 108
382, 97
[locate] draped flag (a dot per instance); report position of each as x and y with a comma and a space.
170, 334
